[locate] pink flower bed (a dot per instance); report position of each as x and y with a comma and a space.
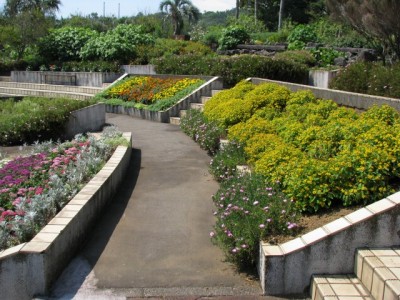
25, 177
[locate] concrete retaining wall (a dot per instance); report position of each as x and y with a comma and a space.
286, 269
91, 118
321, 78
139, 69
360, 101
213, 83
95, 79
31, 268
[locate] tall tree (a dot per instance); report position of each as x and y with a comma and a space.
14, 7
378, 19
177, 9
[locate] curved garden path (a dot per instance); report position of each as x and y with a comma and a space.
152, 240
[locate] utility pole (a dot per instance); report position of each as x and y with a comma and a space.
255, 12
280, 14
119, 10
104, 9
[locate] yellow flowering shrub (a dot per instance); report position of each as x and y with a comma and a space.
322, 153
301, 97
212, 106
277, 160
268, 94
243, 131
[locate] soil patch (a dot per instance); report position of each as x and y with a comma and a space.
308, 223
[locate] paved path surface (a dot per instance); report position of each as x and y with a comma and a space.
152, 241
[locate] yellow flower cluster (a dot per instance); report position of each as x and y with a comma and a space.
175, 88
323, 154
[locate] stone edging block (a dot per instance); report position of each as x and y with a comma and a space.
286, 269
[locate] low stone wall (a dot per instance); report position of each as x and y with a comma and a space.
95, 79
91, 118
355, 100
286, 269
31, 268
139, 69
213, 83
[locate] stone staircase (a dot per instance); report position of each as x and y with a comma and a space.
377, 277
18, 89
196, 105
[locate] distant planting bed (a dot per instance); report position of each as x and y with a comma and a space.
33, 119
149, 93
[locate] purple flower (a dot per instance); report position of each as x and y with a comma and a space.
262, 226
212, 234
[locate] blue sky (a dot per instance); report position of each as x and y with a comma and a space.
130, 7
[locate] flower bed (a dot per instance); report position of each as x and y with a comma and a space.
151, 93
322, 154
34, 188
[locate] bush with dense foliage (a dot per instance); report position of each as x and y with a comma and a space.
167, 47
64, 44
369, 78
233, 69
233, 36
323, 154
118, 44
35, 119
250, 209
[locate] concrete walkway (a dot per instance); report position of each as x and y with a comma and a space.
152, 241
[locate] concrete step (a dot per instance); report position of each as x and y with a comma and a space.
379, 271
43, 93
377, 277
51, 87
5, 78
214, 92
204, 99
175, 120
182, 113
199, 106
338, 287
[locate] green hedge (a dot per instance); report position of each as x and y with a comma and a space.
233, 69
34, 119
369, 78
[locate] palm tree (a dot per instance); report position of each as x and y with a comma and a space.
177, 9
13, 7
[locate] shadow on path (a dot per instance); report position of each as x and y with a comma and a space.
78, 271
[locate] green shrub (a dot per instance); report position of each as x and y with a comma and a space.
300, 36
303, 57
243, 131
369, 78
233, 36
90, 66
233, 69
249, 210
325, 56
34, 119
223, 164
